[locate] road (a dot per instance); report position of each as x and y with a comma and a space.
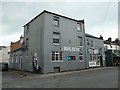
106, 77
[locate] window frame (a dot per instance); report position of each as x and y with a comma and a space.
79, 27
57, 53
80, 41
56, 22
80, 54
56, 36
27, 28
92, 43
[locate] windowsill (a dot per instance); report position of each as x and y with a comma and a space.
80, 46
57, 61
56, 25
81, 60
56, 44
79, 30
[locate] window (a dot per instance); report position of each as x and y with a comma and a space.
56, 41
73, 57
92, 43
16, 58
69, 58
87, 50
12, 59
79, 27
56, 22
81, 57
56, 38
91, 58
87, 41
98, 57
80, 41
27, 30
56, 56
27, 42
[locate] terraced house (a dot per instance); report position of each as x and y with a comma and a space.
53, 43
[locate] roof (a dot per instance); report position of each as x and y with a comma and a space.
107, 42
91, 36
1, 47
45, 11
111, 43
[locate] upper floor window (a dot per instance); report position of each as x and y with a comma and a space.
27, 29
27, 42
56, 21
79, 27
87, 41
92, 43
56, 38
80, 41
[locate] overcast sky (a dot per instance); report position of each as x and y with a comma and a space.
101, 18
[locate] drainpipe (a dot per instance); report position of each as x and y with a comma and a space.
86, 62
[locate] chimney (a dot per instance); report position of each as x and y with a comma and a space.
101, 37
109, 39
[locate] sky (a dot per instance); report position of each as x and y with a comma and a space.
101, 17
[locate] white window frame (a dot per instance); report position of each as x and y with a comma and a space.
80, 38
57, 52
27, 28
80, 54
57, 36
79, 27
92, 41
56, 22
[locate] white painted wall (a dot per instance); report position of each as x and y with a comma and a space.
4, 56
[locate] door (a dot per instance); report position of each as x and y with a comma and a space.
20, 67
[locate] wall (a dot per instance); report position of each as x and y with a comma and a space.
16, 60
4, 54
98, 47
35, 39
68, 31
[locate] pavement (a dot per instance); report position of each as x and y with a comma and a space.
31, 74
102, 77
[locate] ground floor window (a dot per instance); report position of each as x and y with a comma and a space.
81, 57
94, 60
57, 56
69, 58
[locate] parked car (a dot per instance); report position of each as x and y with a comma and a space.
4, 66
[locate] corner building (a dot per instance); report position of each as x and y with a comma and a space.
53, 43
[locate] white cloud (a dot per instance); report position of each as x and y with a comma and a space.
60, 0
7, 39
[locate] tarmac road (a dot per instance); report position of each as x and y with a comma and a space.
104, 77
